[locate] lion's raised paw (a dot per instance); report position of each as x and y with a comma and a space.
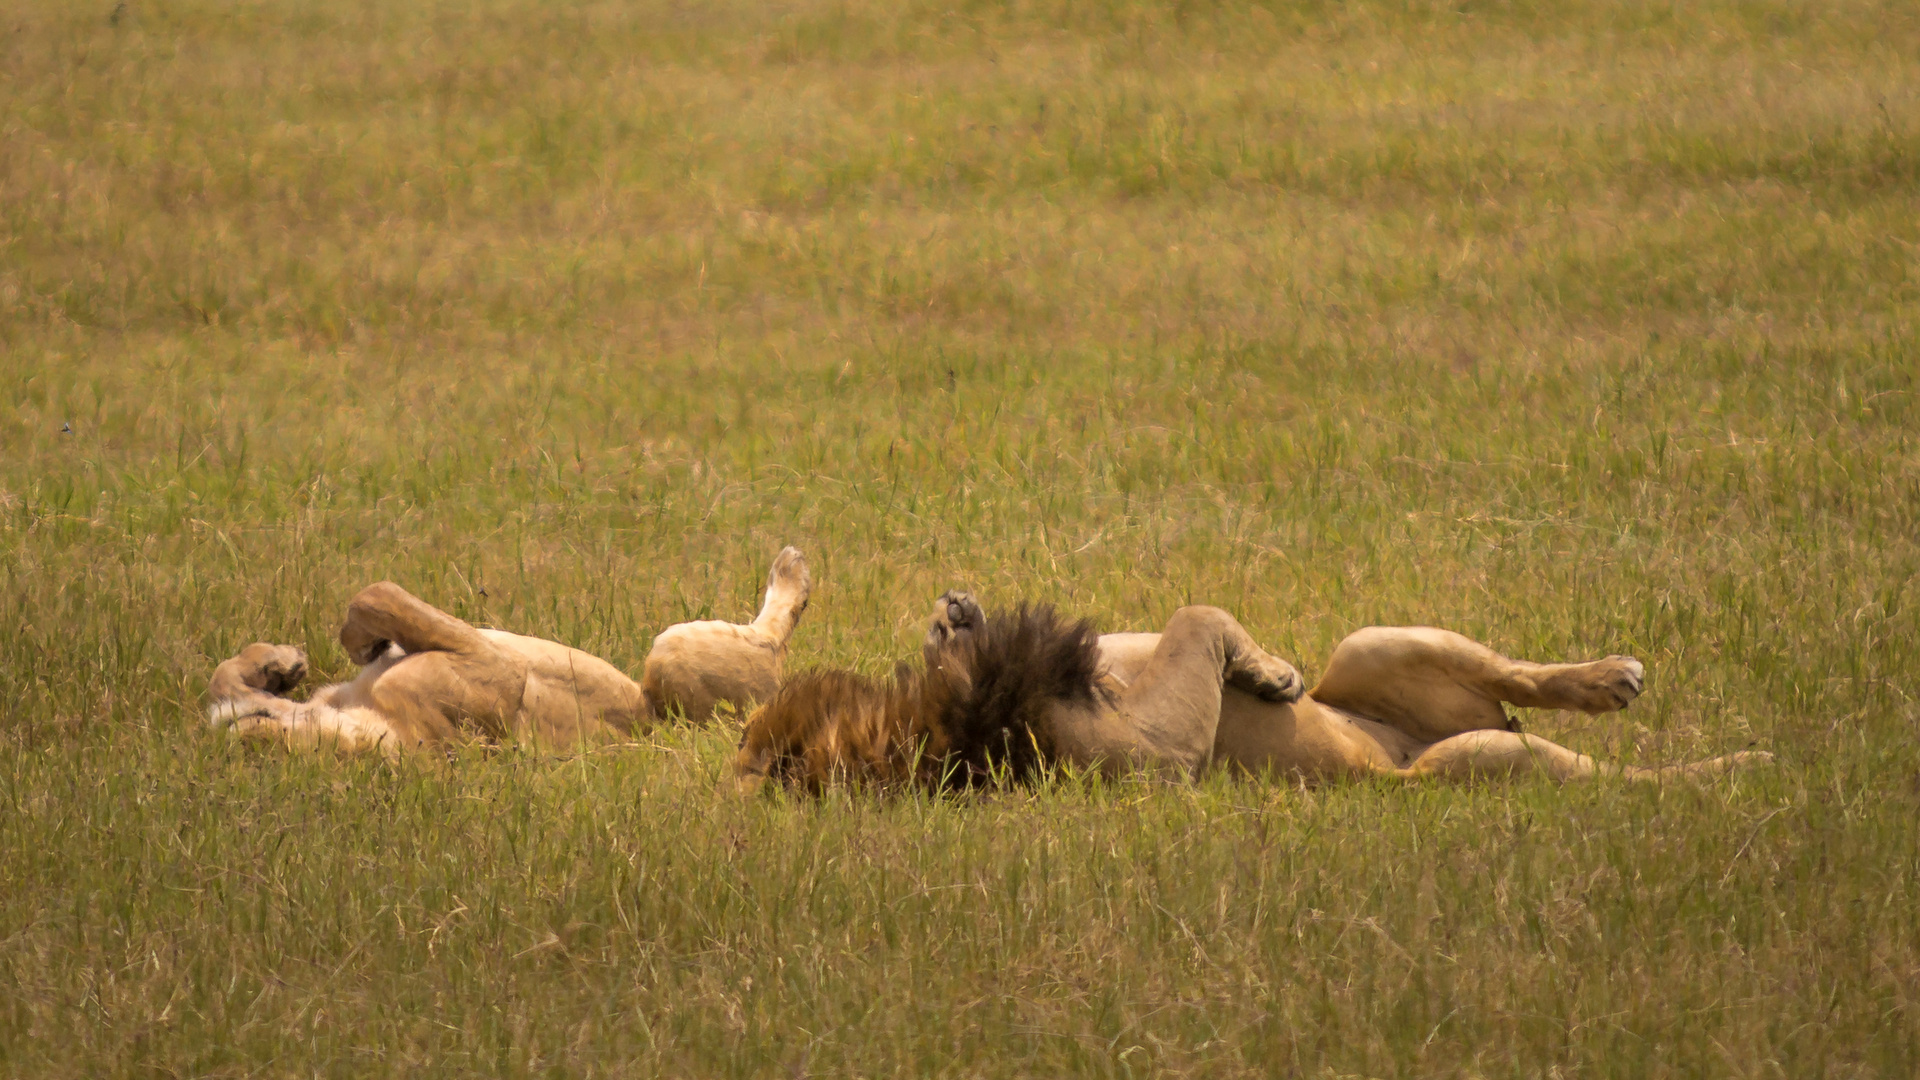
955, 613
1267, 678
284, 669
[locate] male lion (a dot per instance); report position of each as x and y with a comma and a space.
428, 678
1008, 694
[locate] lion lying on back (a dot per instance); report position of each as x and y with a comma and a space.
428, 678
1005, 696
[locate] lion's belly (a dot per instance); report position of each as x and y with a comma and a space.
1124, 655
1304, 739
570, 696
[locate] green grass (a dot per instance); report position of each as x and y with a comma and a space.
1581, 327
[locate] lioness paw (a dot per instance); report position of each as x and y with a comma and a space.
362, 648
283, 669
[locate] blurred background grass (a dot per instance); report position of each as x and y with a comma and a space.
1579, 327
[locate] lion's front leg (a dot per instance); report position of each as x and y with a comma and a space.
1173, 704
384, 613
954, 614
310, 726
258, 669
245, 698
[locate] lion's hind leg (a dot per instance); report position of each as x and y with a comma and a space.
1504, 754
1500, 755
788, 588
385, 614
1434, 684
697, 668
448, 680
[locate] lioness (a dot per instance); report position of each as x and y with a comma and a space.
429, 678
693, 667
1006, 695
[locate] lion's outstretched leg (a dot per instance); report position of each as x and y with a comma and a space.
696, 667
1433, 684
788, 588
1499, 754
1173, 704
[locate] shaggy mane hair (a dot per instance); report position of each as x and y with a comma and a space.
975, 713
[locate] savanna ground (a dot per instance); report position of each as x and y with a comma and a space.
1582, 327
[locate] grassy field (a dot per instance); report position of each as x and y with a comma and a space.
1581, 326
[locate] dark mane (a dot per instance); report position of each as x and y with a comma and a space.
976, 713
830, 726
1021, 662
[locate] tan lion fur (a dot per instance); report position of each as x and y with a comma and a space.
696, 667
